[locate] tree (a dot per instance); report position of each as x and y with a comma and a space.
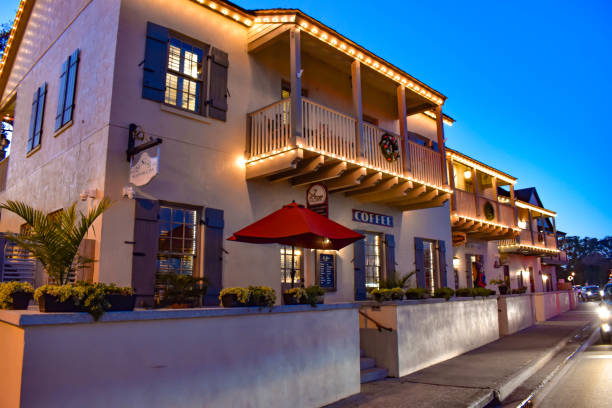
5, 32
55, 240
589, 258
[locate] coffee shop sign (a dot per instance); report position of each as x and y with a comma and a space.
372, 218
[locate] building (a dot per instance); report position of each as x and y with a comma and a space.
215, 83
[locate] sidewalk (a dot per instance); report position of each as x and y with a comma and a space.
478, 377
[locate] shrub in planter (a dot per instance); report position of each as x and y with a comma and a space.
484, 292
91, 298
262, 296
381, 295
519, 291
56, 299
234, 297
417, 293
445, 293
181, 291
464, 292
502, 285
314, 295
295, 296
121, 299
15, 295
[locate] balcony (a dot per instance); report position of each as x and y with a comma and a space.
472, 218
530, 243
331, 151
559, 259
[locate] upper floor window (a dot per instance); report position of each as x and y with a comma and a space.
184, 76
36, 119
67, 91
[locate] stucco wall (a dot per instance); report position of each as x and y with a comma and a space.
515, 313
564, 301
428, 332
545, 305
11, 350
233, 358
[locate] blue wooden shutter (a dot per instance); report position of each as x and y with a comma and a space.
359, 265
219, 63
146, 242
213, 254
442, 263
390, 257
40, 113
71, 87
156, 58
61, 96
33, 122
419, 262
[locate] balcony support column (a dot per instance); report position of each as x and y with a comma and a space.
441, 147
498, 213
296, 87
358, 110
544, 229
403, 126
531, 227
451, 176
476, 192
513, 202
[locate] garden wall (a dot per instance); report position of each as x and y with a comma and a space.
427, 332
564, 301
545, 305
515, 313
293, 356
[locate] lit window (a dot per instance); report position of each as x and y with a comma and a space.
291, 260
373, 259
184, 76
431, 266
177, 240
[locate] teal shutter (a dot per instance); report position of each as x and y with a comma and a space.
61, 96
144, 256
213, 254
359, 267
71, 87
156, 58
442, 263
36, 120
419, 262
32, 122
219, 63
390, 257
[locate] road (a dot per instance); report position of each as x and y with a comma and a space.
584, 381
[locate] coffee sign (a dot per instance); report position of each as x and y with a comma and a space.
372, 218
144, 169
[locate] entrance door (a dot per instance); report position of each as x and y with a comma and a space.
472, 263
531, 280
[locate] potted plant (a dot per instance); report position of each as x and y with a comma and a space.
384, 294
15, 295
234, 297
181, 291
295, 296
416, 293
262, 296
519, 291
56, 299
464, 292
120, 299
445, 293
314, 295
502, 285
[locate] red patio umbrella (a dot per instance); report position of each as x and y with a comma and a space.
297, 226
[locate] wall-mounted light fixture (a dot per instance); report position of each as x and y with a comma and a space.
467, 174
456, 262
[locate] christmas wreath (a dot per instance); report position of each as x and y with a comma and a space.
489, 211
389, 147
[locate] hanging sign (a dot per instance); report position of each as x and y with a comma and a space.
316, 199
326, 270
372, 218
144, 169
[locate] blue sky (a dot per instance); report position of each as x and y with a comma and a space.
528, 83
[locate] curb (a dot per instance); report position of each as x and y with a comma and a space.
514, 381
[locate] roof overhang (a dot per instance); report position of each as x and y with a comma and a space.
468, 161
539, 210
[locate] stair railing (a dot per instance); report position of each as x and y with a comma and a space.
379, 326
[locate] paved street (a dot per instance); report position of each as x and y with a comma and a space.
584, 381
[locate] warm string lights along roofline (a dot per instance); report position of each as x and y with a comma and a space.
373, 62
281, 153
480, 167
9, 42
519, 246
494, 224
227, 12
527, 206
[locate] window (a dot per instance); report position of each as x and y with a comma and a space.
177, 240
291, 259
67, 90
374, 264
36, 120
184, 76
431, 265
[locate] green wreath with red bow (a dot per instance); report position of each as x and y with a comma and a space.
389, 146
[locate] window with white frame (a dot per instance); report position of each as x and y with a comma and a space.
177, 240
291, 261
184, 76
374, 264
431, 265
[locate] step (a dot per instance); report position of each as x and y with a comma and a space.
361, 353
367, 362
373, 374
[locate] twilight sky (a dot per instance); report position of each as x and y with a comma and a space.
528, 83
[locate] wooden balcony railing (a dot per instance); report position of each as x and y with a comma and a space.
544, 240
334, 134
466, 207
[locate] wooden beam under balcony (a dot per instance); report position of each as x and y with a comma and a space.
350, 178
326, 172
274, 164
397, 191
409, 196
435, 202
305, 166
384, 185
366, 183
419, 108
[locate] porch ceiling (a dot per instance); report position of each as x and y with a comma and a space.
301, 167
528, 250
481, 229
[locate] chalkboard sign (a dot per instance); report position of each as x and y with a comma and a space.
326, 270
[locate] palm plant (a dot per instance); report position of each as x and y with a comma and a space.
55, 239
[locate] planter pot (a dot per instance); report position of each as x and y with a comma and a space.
121, 303
20, 300
503, 290
231, 300
289, 299
51, 304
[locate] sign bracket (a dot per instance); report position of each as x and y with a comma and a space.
135, 133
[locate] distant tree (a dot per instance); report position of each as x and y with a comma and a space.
5, 32
589, 258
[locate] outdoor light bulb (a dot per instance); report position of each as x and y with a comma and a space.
601, 293
240, 161
605, 327
544, 278
456, 263
522, 224
467, 174
604, 312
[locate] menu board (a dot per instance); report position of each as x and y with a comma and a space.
326, 270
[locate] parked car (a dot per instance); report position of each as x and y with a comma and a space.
588, 293
604, 314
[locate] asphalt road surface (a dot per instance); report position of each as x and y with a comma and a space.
585, 381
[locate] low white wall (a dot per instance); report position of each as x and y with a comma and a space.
564, 301
428, 332
545, 305
294, 356
515, 313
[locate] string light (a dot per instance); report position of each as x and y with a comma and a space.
480, 167
494, 224
519, 246
541, 210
